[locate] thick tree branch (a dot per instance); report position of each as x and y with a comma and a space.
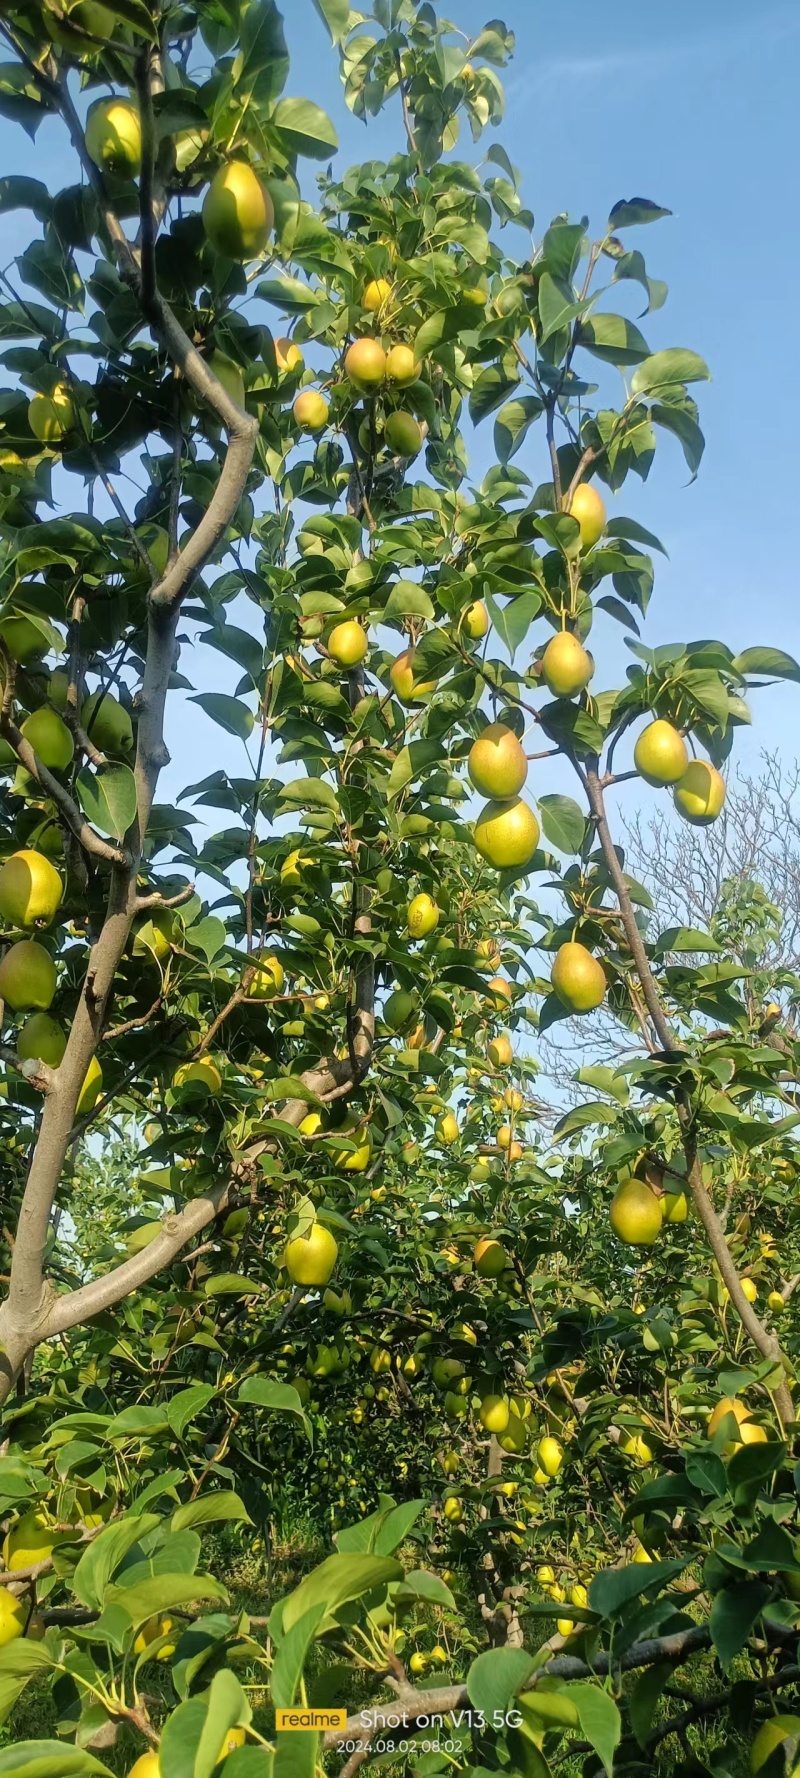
442, 1700
102, 1293
27, 1310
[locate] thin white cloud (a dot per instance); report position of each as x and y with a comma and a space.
650, 61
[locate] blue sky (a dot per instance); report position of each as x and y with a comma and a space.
691, 106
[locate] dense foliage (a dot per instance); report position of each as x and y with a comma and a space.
334, 1351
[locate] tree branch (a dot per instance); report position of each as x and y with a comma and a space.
764, 1341
71, 814
442, 1700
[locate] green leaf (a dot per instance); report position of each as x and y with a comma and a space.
310, 793
496, 1677
613, 338
419, 1584
275, 1398
562, 531
488, 392
195, 1732
20, 1661
296, 1755
107, 796
208, 935
645, 1697
407, 599
50, 1759
229, 713
289, 294
706, 1472
634, 533
612, 1590
443, 325
337, 1581
230, 1284
410, 762
211, 1509
17, 192
187, 1404
685, 428
600, 1720
306, 128
685, 938
561, 247
512, 425
563, 822
164, 1592
336, 15
734, 1612
631, 212
105, 1554
557, 305
291, 1655
382, 1532
675, 365
771, 661
513, 620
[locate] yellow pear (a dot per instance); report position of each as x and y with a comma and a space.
23, 640
237, 212
404, 685
447, 1129
489, 1257
27, 977
365, 364
660, 755
422, 916
30, 889
566, 666
497, 764
700, 794
309, 1259
107, 723
494, 1413
13, 1616
288, 355
41, 1039
578, 978
310, 410
550, 1455
500, 1051
475, 621
727, 1405
202, 1076
347, 643
636, 1214
403, 434
589, 508
401, 366
376, 293
268, 977
114, 137
506, 834
50, 738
